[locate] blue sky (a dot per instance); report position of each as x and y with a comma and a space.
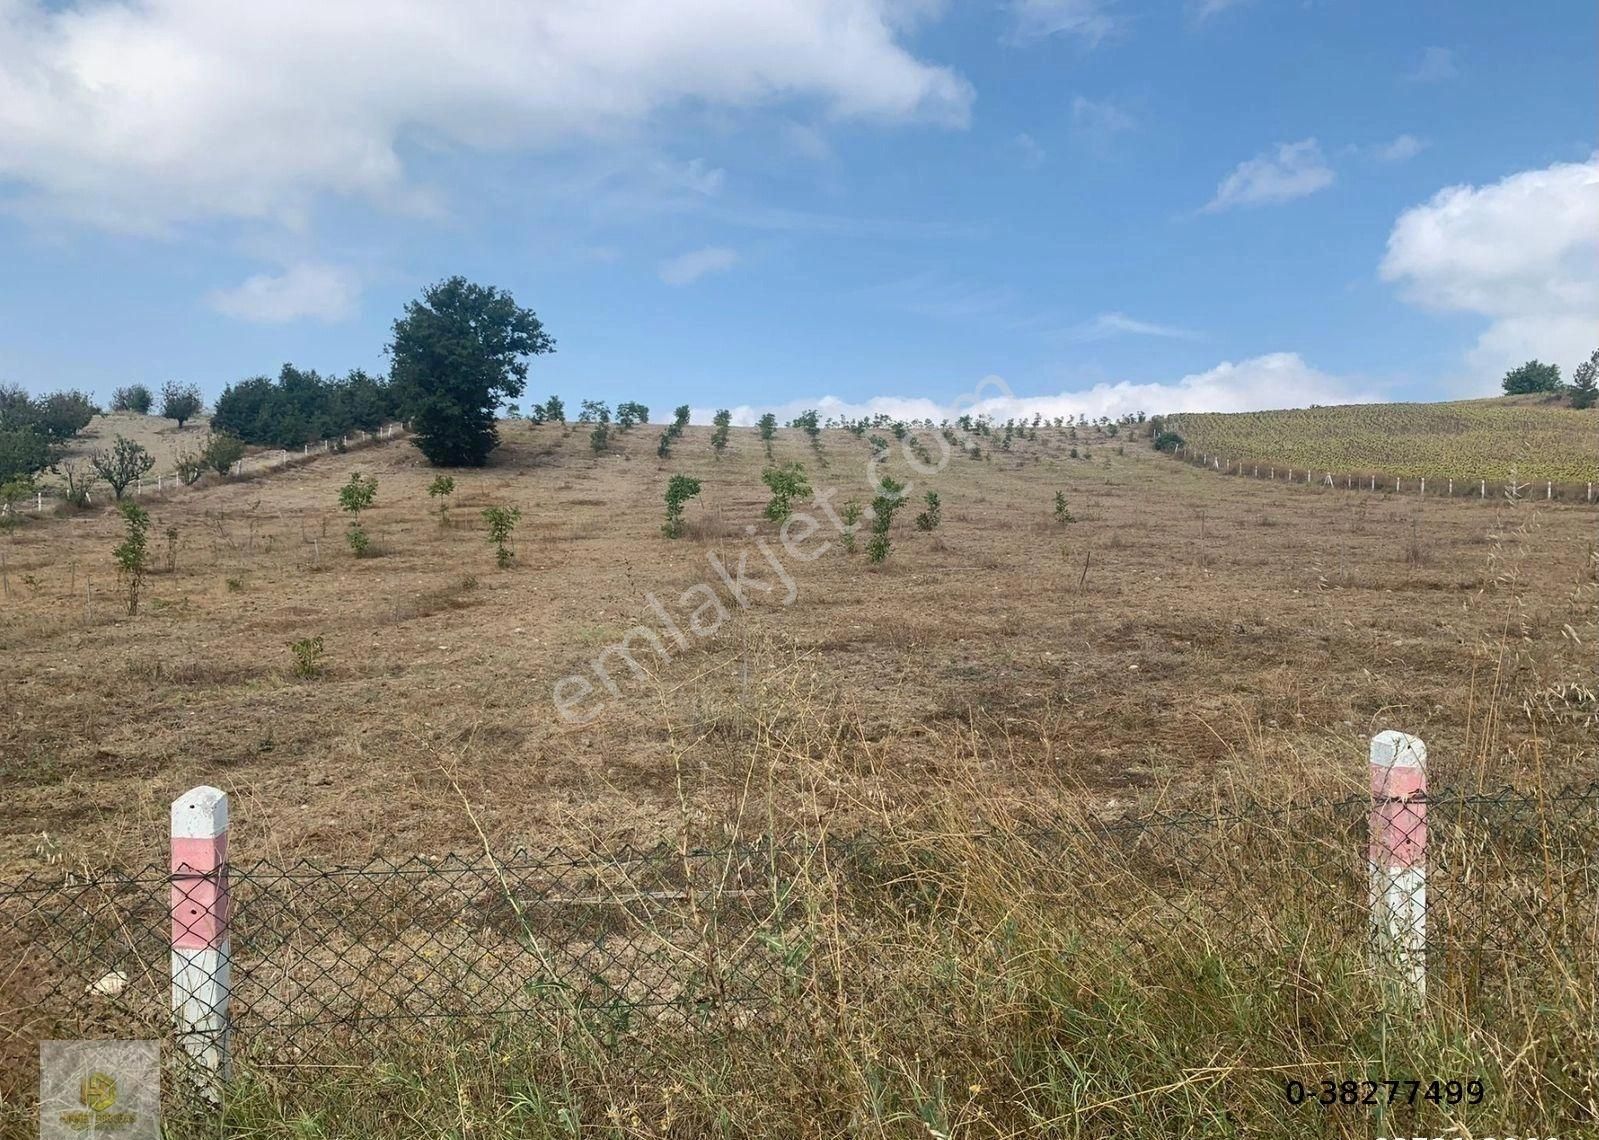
1099, 204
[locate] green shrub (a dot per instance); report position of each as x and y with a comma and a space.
501, 520
768, 426
307, 657
629, 413
600, 436
1062, 515
221, 451
786, 483
679, 490
133, 398
929, 519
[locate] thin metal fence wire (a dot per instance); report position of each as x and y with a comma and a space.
639, 943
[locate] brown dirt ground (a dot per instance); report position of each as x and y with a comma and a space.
1186, 633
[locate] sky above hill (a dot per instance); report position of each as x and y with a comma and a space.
1061, 205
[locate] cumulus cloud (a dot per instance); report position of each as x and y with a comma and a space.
1523, 252
310, 290
688, 268
1292, 171
141, 114
1276, 380
1088, 20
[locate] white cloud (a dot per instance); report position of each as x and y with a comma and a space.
309, 290
690, 267
1100, 120
1089, 20
1402, 148
1032, 154
1108, 325
1293, 171
1523, 252
1276, 380
1435, 65
142, 114
1205, 9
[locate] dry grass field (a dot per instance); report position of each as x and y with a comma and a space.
162, 438
1185, 634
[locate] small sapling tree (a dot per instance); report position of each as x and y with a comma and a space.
889, 498
502, 521
307, 653
786, 483
442, 487
768, 426
600, 436
723, 419
852, 518
122, 464
356, 496
929, 519
594, 412
1062, 515
79, 479
679, 490
133, 553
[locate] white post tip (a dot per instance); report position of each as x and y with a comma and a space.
200, 813
1391, 749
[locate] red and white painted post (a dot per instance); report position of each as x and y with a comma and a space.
1399, 858
201, 959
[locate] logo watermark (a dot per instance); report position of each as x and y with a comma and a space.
100, 1088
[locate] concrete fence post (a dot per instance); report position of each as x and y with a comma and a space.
1549, 490
201, 956
1398, 859
1483, 489
1424, 486
38, 500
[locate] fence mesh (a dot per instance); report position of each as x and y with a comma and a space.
646, 942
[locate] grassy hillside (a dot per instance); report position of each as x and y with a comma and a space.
1466, 439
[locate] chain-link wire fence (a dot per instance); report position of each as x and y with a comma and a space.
641, 944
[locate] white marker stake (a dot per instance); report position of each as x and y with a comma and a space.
1398, 859
201, 961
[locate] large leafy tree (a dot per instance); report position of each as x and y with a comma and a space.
458, 352
1532, 376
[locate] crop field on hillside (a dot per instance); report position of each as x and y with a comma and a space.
1467, 440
